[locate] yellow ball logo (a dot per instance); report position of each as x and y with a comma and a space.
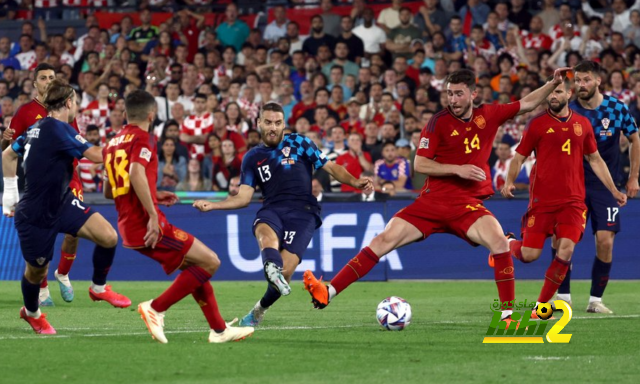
544, 311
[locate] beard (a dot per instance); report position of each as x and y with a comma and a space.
462, 112
557, 108
318, 29
588, 95
273, 141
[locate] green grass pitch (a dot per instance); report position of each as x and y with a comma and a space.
340, 344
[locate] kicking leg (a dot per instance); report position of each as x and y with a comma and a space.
67, 257
557, 270
398, 233
98, 230
601, 270
269, 244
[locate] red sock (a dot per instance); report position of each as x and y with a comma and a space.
355, 269
186, 283
44, 283
207, 301
66, 261
553, 278
505, 278
516, 249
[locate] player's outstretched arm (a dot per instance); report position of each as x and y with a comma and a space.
94, 154
634, 160
537, 97
434, 169
141, 188
343, 176
241, 200
602, 171
514, 170
10, 197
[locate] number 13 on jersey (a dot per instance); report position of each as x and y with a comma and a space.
118, 174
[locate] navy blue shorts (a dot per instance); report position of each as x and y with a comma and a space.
37, 243
603, 209
294, 227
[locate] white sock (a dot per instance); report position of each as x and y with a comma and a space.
98, 288
593, 299
537, 303
506, 313
564, 297
332, 292
35, 315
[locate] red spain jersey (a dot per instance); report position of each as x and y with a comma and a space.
132, 145
450, 140
26, 116
560, 145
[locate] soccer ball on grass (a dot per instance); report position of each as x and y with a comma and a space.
394, 313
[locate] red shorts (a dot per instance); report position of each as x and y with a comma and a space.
76, 188
440, 217
565, 221
171, 248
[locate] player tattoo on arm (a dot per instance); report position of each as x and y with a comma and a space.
140, 185
514, 170
602, 171
241, 200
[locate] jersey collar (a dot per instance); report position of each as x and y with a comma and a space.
561, 119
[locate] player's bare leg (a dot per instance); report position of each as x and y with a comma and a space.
397, 233
487, 232
67, 257
98, 230
601, 270
31, 280
269, 244
255, 316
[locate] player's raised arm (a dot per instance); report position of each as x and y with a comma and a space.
241, 200
535, 98
10, 197
602, 171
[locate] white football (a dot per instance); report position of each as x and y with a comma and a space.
394, 313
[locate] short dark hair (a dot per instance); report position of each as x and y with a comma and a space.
138, 104
338, 67
92, 127
200, 96
463, 76
271, 106
321, 89
57, 94
566, 81
44, 67
588, 66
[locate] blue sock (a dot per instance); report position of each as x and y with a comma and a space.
30, 293
565, 287
599, 277
270, 296
271, 254
102, 260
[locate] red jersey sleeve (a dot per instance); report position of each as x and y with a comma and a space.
19, 122
141, 150
529, 140
429, 140
499, 113
590, 146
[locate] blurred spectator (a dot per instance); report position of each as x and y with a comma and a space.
196, 127
225, 167
504, 151
372, 143
90, 172
317, 38
431, 18
278, 27
234, 185
220, 129
392, 168
621, 15
355, 160
172, 168
194, 181
140, 36
234, 117
474, 12
354, 44
399, 38
232, 32
372, 36
404, 150
341, 59
389, 18
330, 20
253, 138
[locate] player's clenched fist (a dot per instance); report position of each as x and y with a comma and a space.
203, 205
365, 184
471, 172
621, 198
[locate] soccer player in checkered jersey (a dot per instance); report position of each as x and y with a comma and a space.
454, 151
562, 141
131, 163
282, 166
610, 119
26, 116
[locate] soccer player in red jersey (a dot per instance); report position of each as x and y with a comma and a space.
131, 162
454, 151
561, 139
26, 116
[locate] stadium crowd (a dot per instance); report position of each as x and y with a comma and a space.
361, 86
